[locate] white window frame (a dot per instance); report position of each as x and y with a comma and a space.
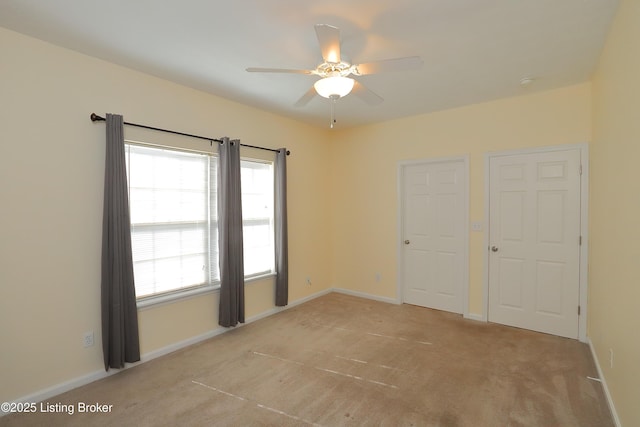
214, 286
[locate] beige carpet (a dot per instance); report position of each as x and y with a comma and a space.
340, 360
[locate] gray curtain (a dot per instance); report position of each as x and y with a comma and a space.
231, 311
282, 245
120, 342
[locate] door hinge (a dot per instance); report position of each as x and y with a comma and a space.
580, 169
580, 240
578, 310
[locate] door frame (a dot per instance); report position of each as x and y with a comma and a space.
464, 159
584, 228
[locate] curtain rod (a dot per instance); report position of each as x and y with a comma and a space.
96, 118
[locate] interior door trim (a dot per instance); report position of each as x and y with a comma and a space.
584, 226
400, 225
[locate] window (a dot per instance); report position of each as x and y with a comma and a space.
257, 217
174, 233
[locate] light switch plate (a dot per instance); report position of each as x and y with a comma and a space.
476, 226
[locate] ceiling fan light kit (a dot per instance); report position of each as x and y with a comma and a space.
334, 82
334, 86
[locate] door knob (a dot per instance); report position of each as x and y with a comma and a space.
406, 242
494, 248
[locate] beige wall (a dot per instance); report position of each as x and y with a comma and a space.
615, 210
365, 165
51, 173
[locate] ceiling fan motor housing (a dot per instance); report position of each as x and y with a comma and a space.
331, 69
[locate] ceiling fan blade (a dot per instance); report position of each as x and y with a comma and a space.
365, 94
278, 70
329, 39
387, 65
304, 100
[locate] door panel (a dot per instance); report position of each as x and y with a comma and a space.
433, 227
512, 205
511, 283
534, 228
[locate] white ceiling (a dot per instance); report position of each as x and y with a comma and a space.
473, 50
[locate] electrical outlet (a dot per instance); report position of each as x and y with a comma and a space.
378, 277
309, 281
88, 339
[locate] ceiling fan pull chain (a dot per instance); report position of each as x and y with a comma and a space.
332, 102
333, 110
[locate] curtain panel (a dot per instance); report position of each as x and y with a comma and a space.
282, 239
231, 309
120, 341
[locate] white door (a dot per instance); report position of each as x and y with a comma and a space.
534, 247
434, 244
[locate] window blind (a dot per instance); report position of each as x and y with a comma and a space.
173, 225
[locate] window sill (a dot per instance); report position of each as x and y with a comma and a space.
177, 296
258, 277
150, 302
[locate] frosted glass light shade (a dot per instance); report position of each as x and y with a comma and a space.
334, 86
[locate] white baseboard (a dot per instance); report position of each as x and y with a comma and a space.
365, 295
612, 407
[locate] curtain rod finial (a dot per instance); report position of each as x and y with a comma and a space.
95, 118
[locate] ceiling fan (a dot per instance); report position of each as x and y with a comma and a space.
334, 82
